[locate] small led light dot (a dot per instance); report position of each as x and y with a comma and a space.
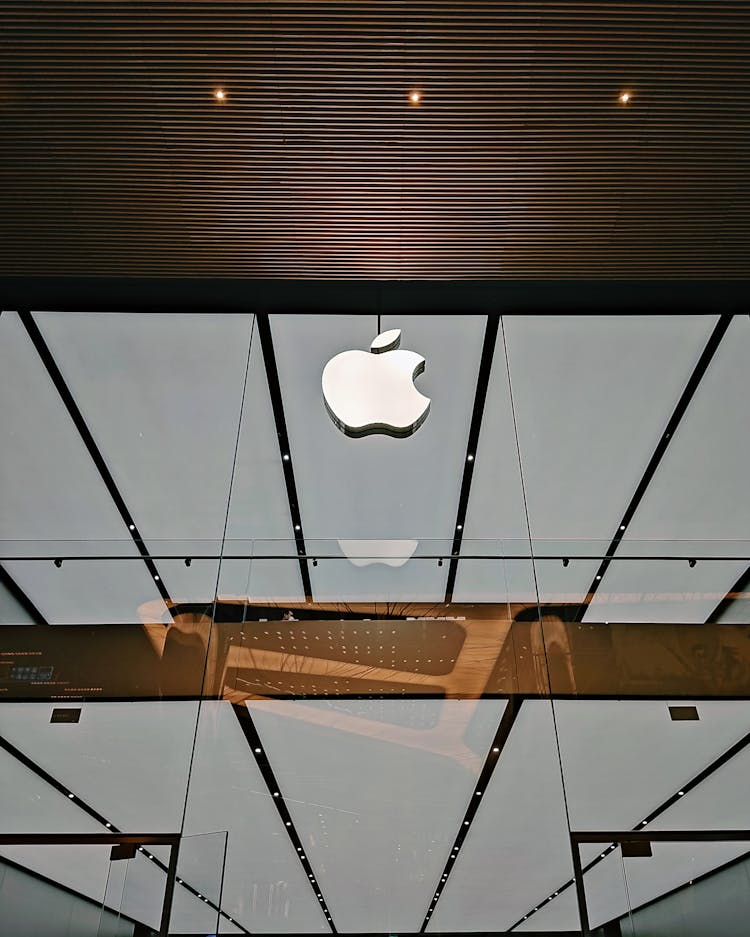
131, 526
257, 751
72, 796
220, 94
470, 458
680, 793
459, 527
624, 97
286, 456
156, 577
415, 96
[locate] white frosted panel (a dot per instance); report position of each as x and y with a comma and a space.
560, 914
90, 592
653, 591
161, 396
486, 580
339, 580
496, 508
259, 507
11, 611
262, 580
126, 760
51, 488
592, 395
517, 849
378, 486
377, 799
29, 805
717, 803
265, 886
623, 758
699, 491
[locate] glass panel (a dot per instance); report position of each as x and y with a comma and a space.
198, 895
690, 890
76, 890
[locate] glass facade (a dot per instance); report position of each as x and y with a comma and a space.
493, 677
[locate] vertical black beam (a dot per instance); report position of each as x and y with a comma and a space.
88, 440
166, 911
580, 889
661, 447
277, 405
480, 395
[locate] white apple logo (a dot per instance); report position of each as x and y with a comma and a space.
374, 392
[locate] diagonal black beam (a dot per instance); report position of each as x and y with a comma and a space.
52, 781
608, 844
480, 396
742, 585
277, 405
76, 416
12, 587
259, 753
510, 713
661, 447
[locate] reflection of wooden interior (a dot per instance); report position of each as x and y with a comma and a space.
469, 651
495, 649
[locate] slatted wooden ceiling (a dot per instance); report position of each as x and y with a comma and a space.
519, 162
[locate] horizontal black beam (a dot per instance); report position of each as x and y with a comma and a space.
662, 836
569, 557
370, 297
88, 839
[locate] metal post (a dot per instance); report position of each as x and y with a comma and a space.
166, 911
580, 890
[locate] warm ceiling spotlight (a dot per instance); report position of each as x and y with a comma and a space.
625, 97
220, 94
415, 97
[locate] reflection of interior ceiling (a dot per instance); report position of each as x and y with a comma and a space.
455, 819
376, 790
520, 161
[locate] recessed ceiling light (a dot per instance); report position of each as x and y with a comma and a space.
288, 822
275, 793
470, 458
459, 527
72, 796
257, 751
131, 526
495, 750
220, 94
415, 97
286, 457
680, 793
625, 97
156, 577
598, 577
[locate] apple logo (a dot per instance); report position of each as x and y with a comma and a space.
374, 392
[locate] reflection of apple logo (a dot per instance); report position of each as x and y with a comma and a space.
388, 552
374, 392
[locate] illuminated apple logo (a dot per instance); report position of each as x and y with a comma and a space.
374, 392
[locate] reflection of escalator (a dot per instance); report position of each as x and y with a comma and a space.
718, 904
32, 905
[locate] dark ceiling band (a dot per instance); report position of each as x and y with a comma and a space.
507, 722
742, 585
277, 404
52, 781
259, 753
12, 587
674, 421
641, 826
88, 440
483, 378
